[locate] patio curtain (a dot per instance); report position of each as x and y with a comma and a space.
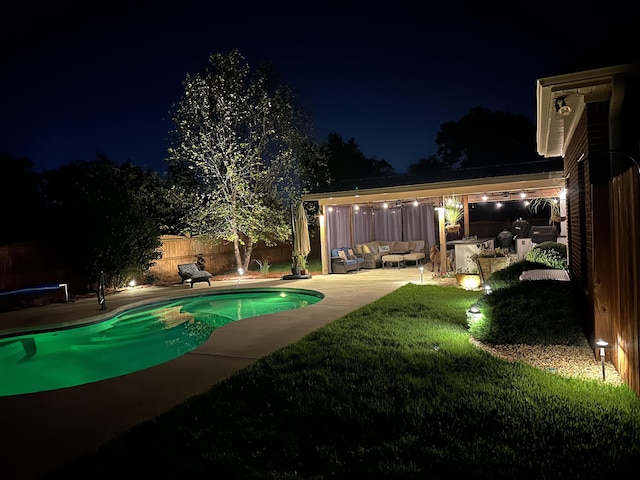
419, 223
347, 226
338, 226
388, 223
362, 225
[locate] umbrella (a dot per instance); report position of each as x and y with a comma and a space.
301, 242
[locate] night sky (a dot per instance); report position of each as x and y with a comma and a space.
101, 77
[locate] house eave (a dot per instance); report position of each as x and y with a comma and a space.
554, 131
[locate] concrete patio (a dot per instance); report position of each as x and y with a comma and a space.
45, 430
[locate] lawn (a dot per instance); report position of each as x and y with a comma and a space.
392, 390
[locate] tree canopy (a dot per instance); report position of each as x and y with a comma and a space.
346, 161
247, 143
102, 217
482, 138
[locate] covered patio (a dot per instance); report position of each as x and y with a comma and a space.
406, 207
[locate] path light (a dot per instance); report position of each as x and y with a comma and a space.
240, 273
421, 268
474, 314
132, 283
487, 289
603, 345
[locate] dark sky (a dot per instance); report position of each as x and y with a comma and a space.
103, 76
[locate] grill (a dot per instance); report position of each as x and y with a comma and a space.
544, 234
520, 228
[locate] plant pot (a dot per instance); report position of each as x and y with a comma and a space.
488, 265
453, 228
468, 281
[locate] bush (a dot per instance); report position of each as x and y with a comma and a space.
553, 254
541, 312
510, 275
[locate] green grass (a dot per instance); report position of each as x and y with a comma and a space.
392, 390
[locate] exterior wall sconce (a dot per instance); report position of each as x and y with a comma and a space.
562, 108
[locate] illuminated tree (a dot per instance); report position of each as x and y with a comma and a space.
247, 144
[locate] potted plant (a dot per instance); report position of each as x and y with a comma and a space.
554, 208
491, 260
453, 213
301, 261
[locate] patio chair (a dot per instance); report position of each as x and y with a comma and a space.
189, 272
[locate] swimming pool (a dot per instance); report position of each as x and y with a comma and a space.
132, 340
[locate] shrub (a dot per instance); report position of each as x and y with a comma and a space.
553, 254
541, 312
510, 275
264, 265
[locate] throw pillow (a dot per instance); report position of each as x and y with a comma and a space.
366, 249
350, 252
419, 245
342, 255
384, 248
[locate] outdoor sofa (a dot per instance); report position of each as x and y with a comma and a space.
372, 252
189, 272
344, 260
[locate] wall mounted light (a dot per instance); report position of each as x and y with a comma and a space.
562, 108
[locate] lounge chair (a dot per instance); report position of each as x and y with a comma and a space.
189, 272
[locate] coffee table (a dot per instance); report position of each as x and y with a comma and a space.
393, 258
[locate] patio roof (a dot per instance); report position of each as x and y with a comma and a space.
543, 178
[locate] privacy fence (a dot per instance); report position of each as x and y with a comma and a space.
218, 258
620, 297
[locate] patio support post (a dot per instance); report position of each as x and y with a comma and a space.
465, 203
443, 240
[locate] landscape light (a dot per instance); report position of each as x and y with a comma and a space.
474, 314
602, 344
470, 282
421, 268
132, 283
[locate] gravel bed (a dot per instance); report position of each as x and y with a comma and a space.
568, 361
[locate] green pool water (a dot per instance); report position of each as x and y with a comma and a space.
132, 340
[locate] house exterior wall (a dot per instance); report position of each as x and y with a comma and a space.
578, 193
603, 198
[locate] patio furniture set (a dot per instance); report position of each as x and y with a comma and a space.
378, 254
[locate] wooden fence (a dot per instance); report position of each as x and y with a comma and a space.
29, 264
621, 297
218, 258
